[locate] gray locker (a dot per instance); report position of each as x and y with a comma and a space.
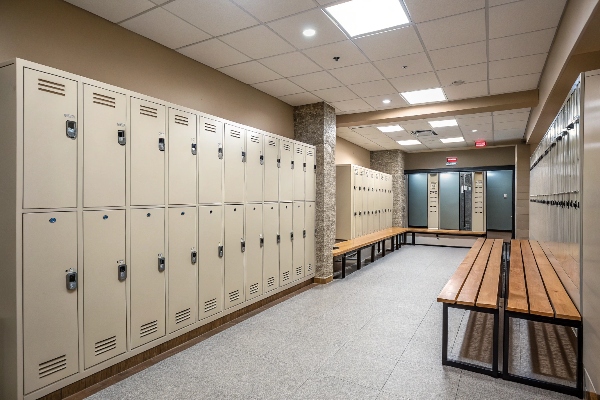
254, 167
311, 173
449, 199
299, 172
285, 245
298, 240
211, 266
49, 146
104, 145
271, 181
182, 157
183, 264
50, 332
148, 146
254, 250
309, 241
235, 159
286, 173
104, 286
235, 246
210, 162
147, 275
417, 200
271, 246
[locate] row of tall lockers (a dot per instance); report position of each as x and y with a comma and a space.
364, 201
138, 221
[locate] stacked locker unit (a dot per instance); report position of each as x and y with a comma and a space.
129, 221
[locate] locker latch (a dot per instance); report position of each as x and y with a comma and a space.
161, 144
262, 159
220, 251
355, 214
243, 156
220, 151
194, 149
292, 236
121, 271
262, 240
243, 243
72, 129
304, 234
121, 139
161, 263
304, 167
71, 279
278, 238
292, 164
279, 163
194, 256
315, 168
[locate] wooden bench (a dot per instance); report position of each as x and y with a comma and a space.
475, 286
536, 293
445, 232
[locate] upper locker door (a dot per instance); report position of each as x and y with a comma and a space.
211, 266
271, 246
298, 239
365, 202
311, 173
271, 168
235, 158
285, 244
104, 292
182, 157
104, 144
50, 135
254, 250
210, 162
235, 247
50, 329
286, 173
372, 199
148, 144
147, 275
309, 241
299, 172
183, 264
255, 160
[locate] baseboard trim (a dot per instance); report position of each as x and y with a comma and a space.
324, 281
591, 396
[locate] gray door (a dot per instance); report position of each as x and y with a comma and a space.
417, 200
449, 200
499, 199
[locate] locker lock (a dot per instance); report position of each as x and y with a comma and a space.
304, 167
161, 144
161, 263
243, 243
355, 214
292, 236
220, 152
262, 159
315, 168
72, 129
194, 256
262, 240
121, 271
292, 164
194, 149
243, 156
279, 163
221, 251
278, 238
304, 234
121, 139
71, 279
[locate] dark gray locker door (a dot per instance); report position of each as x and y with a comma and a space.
449, 200
417, 200
499, 199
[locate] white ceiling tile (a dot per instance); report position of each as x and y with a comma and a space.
414, 63
448, 131
300, 99
257, 42
374, 88
335, 94
419, 125
426, 10
517, 66
409, 83
469, 73
475, 119
521, 45
509, 125
352, 105
503, 118
291, 64
473, 53
250, 72
524, 16
356, 74
466, 91
413, 149
326, 2
347, 52
377, 101
513, 111
518, 132
514, 84
165, 28
494, 3
291, 29
453, 31
398, 42
279, 87
114, 10
214, 53
268, 10
316, 81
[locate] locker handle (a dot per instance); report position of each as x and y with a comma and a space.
71, 279
161, 144
122, 271
279, 163
304, 234
278, 238
221, 251
121, 139
194, 256
292, 236
161, 263
194, 149
292, 164
304, 167
243, 156
262, 159
71, 130
315, 168
220, 152
243, 243
262, 240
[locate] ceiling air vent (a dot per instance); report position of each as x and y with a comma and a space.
423, 133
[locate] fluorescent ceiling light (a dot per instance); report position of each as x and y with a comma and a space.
443, 124
474, 130
358, 17
453, 140
309, 32
387, 101
408, 142
391, 128
424, 96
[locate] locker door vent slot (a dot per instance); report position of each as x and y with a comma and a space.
212, 128
287, 147
235, 295
235, 134
51, 87
272, 143
105, 345
254, 288
210, 305
104, 100
254, 139
149, 328
310, 153
181, 120
299, 150
299, 271
286, 275
183, 315
309, 268
52, 366
148, 111
271, 281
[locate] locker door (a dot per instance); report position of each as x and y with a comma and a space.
210, 162
286, 173
254, 251
50, 154
104, 121
147, 279
234, 255
311, 174
182, 157
148, 124
309, 242
372, 200
285, 244
50, 332
299, 171
211, 266
254, 167
235, 158
271, 247
298, 239
271, 181
183, 262
358, 199
104, 291
365, 202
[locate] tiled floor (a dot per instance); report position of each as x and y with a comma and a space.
374, 335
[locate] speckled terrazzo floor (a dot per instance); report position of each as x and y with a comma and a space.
374, 335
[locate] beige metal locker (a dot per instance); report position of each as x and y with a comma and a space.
254, 250
49, 141
104, 286
286, 173
210, 162
211, 266
255, 160
311, 173
271, 246
147, 275
182, 157
235, 159
104, 145
285, 245
365, 202
309, 241
235, 247
478, 206
358, 200
148, 145
50, 331
298, 240
271, 167
299, 167
183, 267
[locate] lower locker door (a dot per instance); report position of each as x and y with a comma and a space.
254, 251
50, 332
183, 261
147, 275
285, 244
234, 255
271, 247
104, 291
298, 243
211, 266
357, 226
309, 241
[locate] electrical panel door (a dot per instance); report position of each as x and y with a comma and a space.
286, 171
183, 151
104, 144
285, 245
235, 159
298, 240
255, 160
271, 181
309, 241
50, 332
254, 250
299, 171
148, 267
211, 266
104, 291
50, 135
148, 146
210, 162
271, 246
311, 173
235, 247
183, 264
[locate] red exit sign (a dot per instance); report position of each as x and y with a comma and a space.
451, 160
480, 143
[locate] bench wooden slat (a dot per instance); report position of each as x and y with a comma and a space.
539, 304
517, 290
571, 287
450, 292
470, 290
488, 293
367, 240
447, 232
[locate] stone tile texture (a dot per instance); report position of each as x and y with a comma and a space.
392, 162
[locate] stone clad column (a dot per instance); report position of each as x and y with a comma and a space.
392, 162
315, 124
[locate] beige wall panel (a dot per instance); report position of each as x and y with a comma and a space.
348, 153
285, 245
469, 158
286, 173
271, 182
311, 174
254, 250
271, 247
235, 155
299, 172
309, 241
182, 160
210, 162
298, 242
211, 266
254, 167
234, 255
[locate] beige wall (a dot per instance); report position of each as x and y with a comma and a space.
349, 153
497, 156
60, 35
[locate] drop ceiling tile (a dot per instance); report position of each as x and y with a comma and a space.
279, 87
502, 118
377, 101
420, 125
352, 105
357, 74
524, 16
300, 99
473, 53
214, 53
250, 72
347, 52
335, 94
398, 42
316, 81
375, 88
494, 3
514, 111
165, 28
514, 84
517, 66
475, 119
257, 42
521, 45
466, 91
448, 131
114, 10
469, 73
500, 126
414, 63
268, 10
291, 29
291, 64
413, 149
426, 10
409, 83
453, 31
326, 2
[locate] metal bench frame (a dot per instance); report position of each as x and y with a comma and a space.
396, 243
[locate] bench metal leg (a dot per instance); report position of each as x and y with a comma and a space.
358, 259
343, 266
383, 247
372, 253
379, 247
413, 238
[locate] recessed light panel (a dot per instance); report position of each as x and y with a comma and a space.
391, 128
443, 124
424, 96
453, 140
387, 101
358, 17
408, 142
309, 32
